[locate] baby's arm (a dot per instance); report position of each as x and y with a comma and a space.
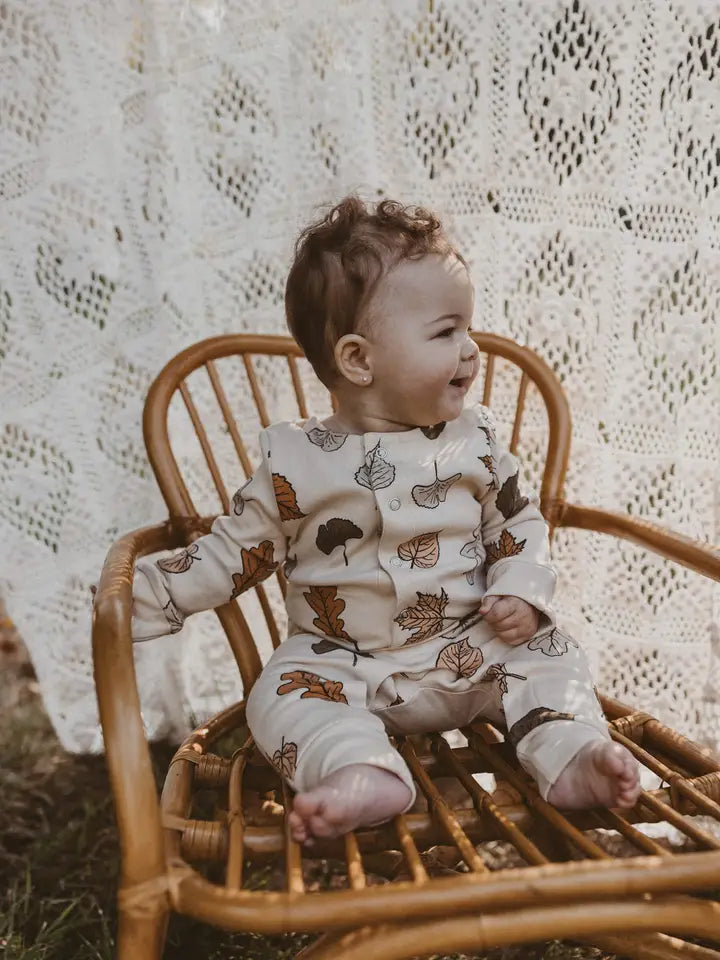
241, 550
514, 534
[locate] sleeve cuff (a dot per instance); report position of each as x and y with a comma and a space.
532, 582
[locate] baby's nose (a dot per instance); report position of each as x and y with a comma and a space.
470, 349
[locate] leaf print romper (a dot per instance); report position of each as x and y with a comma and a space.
389, 542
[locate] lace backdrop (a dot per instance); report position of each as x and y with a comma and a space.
156, 161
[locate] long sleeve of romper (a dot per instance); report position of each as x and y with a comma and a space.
241, 550
514, 534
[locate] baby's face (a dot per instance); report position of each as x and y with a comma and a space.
424, 359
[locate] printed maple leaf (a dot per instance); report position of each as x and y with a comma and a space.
505, 546
431, 494
422, 551
461, 658
286, 498
257, 564
508, 501
285, 759
179, 562
426, 617
552, 644
376, 473
327, 440
335, 533
315, 687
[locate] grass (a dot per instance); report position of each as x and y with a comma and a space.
59, 854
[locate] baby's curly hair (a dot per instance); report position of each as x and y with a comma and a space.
338, 263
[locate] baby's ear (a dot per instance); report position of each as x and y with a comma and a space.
352, 359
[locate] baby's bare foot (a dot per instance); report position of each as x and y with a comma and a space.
355, 796
603, 774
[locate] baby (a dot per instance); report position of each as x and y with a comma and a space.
419, 580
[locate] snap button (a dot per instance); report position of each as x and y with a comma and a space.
395, 504
395, 561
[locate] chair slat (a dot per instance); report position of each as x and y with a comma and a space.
205, 444
236, 822
297, 384
484, 803
256, 391
487, 385
228, 417
611, 820
409, 850
293, 854
443, 812
356, 874
522, 390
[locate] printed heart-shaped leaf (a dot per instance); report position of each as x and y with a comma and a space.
421, 551
461, 658
376, 473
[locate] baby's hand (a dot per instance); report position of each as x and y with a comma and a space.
513, 620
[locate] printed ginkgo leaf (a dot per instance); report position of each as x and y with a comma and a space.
327, 606
376, 473
326, 439
330, 646
489, 463
461, 658
505, 546
257, 564
508, 501
462, 625
179, 562
238, 502
431, 494
499, 672
552, 644
173, 616
426, 617
315, 687
421, 551
286, 498
474, 550
432, 433
285, 759
336, 533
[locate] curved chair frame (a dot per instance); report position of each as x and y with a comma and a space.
617, 904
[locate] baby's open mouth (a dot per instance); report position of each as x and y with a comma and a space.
458, 382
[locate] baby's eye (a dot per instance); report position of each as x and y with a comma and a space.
446, 333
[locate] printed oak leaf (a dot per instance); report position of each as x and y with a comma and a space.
257, 564
325, 602
315, 687
422, 551
508, 501
376, 473
431, 494
179, 562
336, 533
285, 759
238, 501
552, 644
505, 546
499, 672
461, 658
286, 498
327, 440
426, 617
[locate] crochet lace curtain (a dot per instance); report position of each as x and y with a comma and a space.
156, 161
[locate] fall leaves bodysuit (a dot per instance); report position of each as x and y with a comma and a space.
389, 543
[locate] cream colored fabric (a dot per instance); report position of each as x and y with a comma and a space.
156, 162
385, 537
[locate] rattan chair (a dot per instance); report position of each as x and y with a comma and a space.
567, 884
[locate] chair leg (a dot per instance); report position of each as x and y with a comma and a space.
141, 935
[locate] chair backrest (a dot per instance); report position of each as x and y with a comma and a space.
216, 394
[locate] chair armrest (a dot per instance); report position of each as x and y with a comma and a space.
128, 756
690, 553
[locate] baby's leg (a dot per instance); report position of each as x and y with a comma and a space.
308, 716
557, 727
